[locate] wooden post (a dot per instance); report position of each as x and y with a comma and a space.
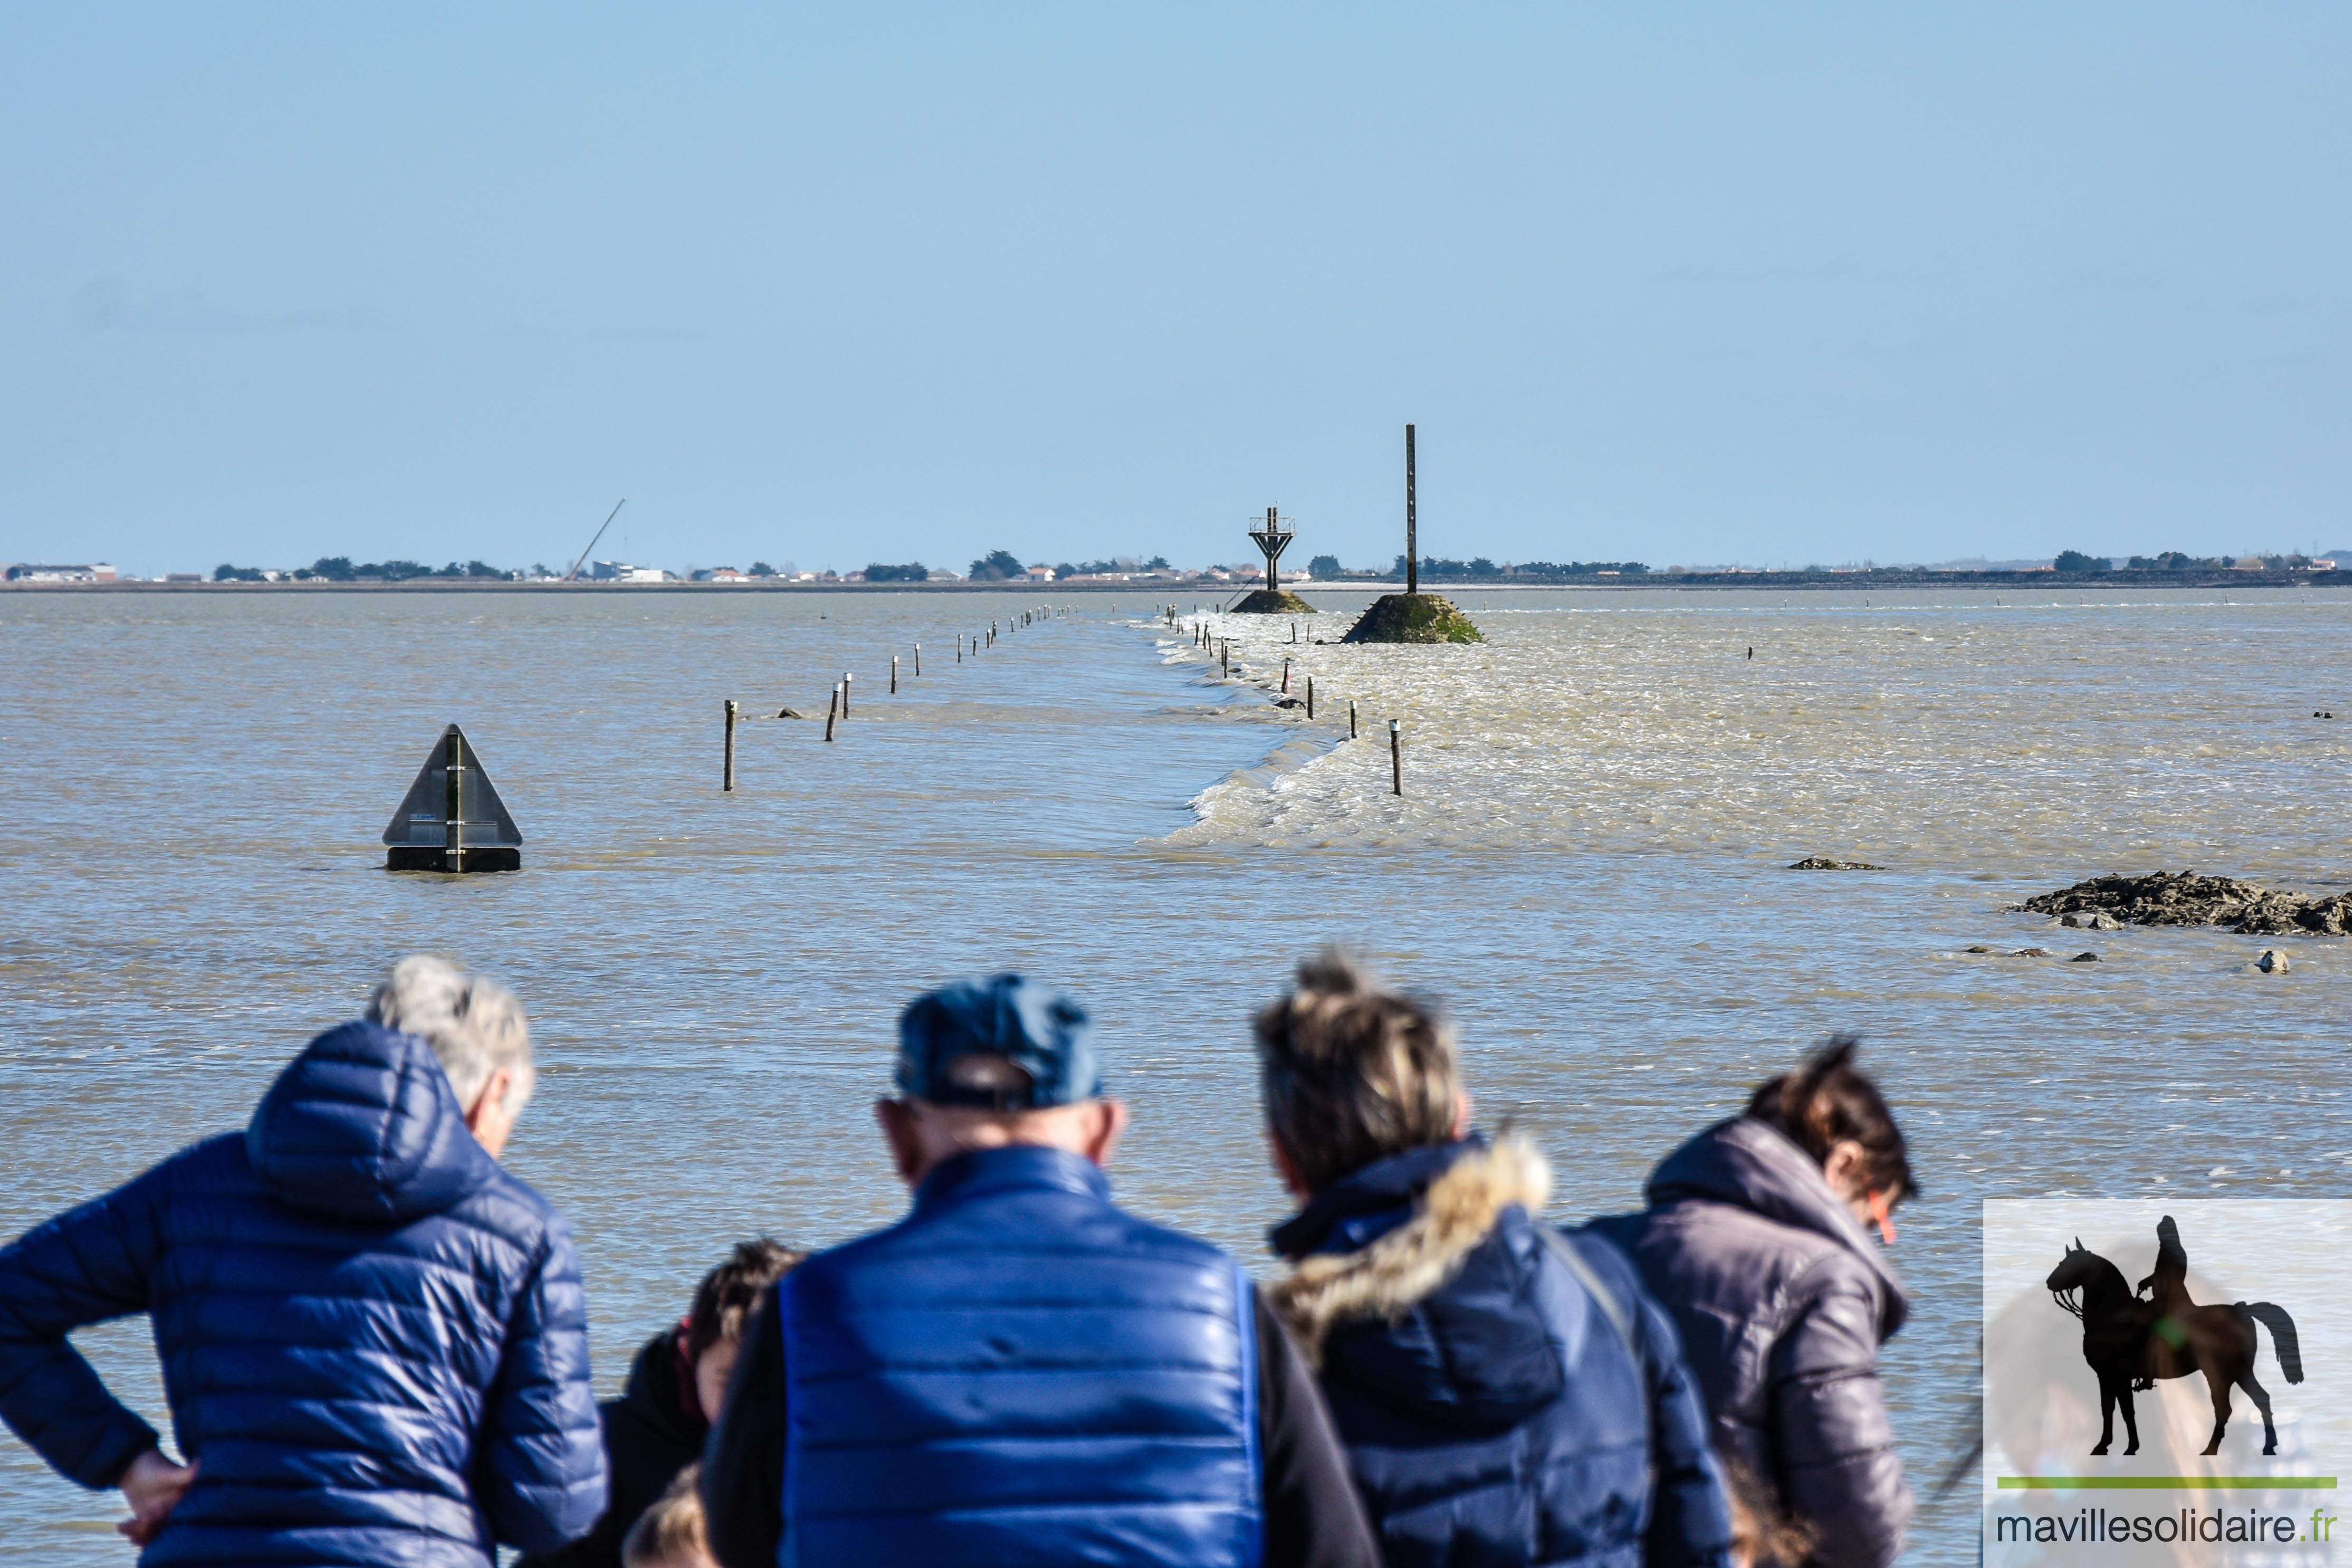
893, 675
1396, 757
845, 694
727, 776
919, 661
1310, 697
1227, 655
1351, 718
1293, 631
1411, 524
959, 650
831, 709
453, 843
1285, 678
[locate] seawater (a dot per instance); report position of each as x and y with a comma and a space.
1587, 869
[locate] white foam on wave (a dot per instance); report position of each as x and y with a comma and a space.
2180, 735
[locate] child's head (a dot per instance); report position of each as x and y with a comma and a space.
670, 1533
1352, 1073
723, 1308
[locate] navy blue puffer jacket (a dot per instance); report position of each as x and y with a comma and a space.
373, 1337
1507, 1398
1020, 1373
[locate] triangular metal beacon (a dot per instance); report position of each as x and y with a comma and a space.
452, 818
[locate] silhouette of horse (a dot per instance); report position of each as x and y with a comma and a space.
2125, 1337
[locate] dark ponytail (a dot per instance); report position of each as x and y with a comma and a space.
1828, 1101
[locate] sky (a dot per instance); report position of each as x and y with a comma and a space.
1680, 283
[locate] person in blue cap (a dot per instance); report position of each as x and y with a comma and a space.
1018, 1371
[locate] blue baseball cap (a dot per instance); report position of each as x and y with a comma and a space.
955, 1043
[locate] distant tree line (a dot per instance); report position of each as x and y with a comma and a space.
912, 572
1104, 568
2075, 560
338, 569
1441, 571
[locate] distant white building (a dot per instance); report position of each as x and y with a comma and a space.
1039, 574
30, 572
622, 571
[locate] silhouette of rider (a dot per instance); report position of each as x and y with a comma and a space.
2170, 1279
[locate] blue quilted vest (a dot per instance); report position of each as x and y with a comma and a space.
1019, 1374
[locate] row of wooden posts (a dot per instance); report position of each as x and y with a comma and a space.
837, 709
1223, 652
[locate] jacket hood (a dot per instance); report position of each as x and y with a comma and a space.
1409, 1295
363, 1127
1753, 1165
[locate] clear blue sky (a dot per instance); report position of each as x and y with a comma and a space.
1682, 283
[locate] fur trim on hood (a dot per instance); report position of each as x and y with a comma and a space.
1389, 1277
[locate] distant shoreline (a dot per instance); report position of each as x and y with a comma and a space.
1810, 581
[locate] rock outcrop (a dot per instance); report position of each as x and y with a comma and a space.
1414, 618
1271, 601
1823, 863
2186, 898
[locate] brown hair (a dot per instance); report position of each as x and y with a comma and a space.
729, 1293
1828, 1101
670, 1533
1353, 1072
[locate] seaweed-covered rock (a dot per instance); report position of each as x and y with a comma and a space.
1823, 863
2186, 898
1272, 601
1414, 618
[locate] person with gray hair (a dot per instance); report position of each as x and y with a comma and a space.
477, 1033
373, 1339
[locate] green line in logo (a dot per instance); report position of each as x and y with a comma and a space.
2166, 1483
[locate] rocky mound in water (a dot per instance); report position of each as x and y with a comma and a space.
2186, 898
1823, 863
1413, 617
1271, 601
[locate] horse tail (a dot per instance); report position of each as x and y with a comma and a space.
2282, 1328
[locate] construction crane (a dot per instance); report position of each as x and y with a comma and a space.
574, 575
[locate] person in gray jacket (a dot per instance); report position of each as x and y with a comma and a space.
1758, 1242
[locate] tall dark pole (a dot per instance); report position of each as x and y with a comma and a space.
1272, 583
1411, 524
454, 821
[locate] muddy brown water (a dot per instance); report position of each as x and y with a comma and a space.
1587, 868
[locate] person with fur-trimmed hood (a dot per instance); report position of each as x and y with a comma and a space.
1506, 1393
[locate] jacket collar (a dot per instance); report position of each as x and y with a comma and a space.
1017, 1167
1453, 1208
661, 1390
1753, 1165
1358, 1208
